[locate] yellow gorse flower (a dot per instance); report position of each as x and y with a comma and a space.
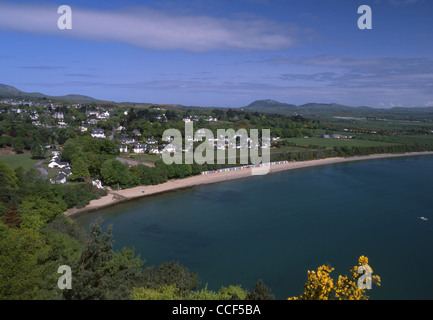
320, 286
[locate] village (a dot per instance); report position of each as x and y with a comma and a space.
108, 122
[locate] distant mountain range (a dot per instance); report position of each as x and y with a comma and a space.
262, 106
272, 106
9, 92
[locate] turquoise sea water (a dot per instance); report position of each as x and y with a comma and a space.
278, 226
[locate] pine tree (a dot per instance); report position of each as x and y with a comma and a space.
101, 273
12, 217
261, 292
89, 277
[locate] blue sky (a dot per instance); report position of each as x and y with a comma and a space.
222, 53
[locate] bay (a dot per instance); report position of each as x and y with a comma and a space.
278, 226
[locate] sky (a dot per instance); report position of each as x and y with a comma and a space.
220, 53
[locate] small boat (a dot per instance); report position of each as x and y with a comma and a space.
423, 218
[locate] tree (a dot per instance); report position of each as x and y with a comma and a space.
261, 292
80, 170
89, 281
320, 286
100, 273
172, 292
115, 172
12, 217
18, 145
172, 273
166, 292
8, 184
37, 150
19, 269
36, 211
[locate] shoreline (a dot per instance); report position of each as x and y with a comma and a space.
120, 196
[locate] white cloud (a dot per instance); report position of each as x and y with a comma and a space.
147, 28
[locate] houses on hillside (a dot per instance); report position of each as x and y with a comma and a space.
64, 168
98, 133
139, 147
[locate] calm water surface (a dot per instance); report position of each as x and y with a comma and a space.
278, 226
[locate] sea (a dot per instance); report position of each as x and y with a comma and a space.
278, 226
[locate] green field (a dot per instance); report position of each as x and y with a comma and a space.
19, 160
330, 143
420, 139
143, 157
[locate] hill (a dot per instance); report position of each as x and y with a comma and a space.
334, 109
9, 92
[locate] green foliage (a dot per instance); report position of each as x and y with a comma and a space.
64, 225
37, 150
172, 292
36, 211
172, 273
260, 292
21, 250
80, 170
91, 281
85, 145
19, 145
225, 293
8, 184
115, 172
100, 273
165, 292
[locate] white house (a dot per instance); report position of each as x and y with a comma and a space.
59, 178
104, 115
123, 148
151, 141
61, 165
92, 113
67, 171
139, 148
58, 115
154, 150
97, 184
98, 133
128, 141
169, 148
162, 118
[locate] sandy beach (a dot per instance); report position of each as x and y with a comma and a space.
117, 196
